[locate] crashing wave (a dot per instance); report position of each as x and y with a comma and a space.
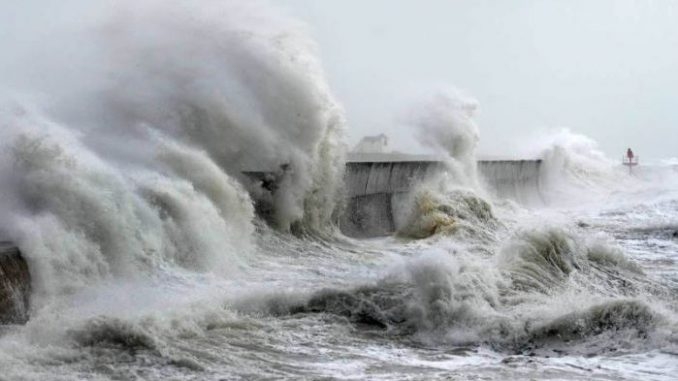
137, 166
455, 211
513, 306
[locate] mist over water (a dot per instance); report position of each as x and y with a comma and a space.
122, 182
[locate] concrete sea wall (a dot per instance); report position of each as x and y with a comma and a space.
374, 188
518, 180
377, 184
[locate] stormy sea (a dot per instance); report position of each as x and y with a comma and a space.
176, 180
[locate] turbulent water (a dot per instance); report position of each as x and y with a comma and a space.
124, 190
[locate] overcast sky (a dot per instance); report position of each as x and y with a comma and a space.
607, 69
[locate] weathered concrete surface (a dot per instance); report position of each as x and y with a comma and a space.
518, 180
376, 184
15, 285
365, 178
373, 188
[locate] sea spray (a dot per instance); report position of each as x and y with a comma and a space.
81, 219
137, 166
252, 96
445, 123
434, 208
542, 290
571, 162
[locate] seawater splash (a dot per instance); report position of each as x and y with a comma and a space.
445, 122
81, 219
441, 210
546, 290
136, 166
252, 95
571, 162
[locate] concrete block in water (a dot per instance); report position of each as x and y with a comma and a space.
15, 285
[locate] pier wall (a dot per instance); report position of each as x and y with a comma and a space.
377, 184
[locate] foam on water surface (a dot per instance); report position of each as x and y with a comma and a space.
125, 192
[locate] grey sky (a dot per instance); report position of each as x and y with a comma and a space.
607, 69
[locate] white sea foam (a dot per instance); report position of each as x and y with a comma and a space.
124, 191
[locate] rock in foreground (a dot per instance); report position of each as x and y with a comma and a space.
15, 284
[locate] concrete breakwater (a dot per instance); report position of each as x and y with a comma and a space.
15, 285
518, 180
377, 183
374, 188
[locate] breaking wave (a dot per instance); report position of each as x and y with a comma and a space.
448, 212
138, 166
544, 291
451, 201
